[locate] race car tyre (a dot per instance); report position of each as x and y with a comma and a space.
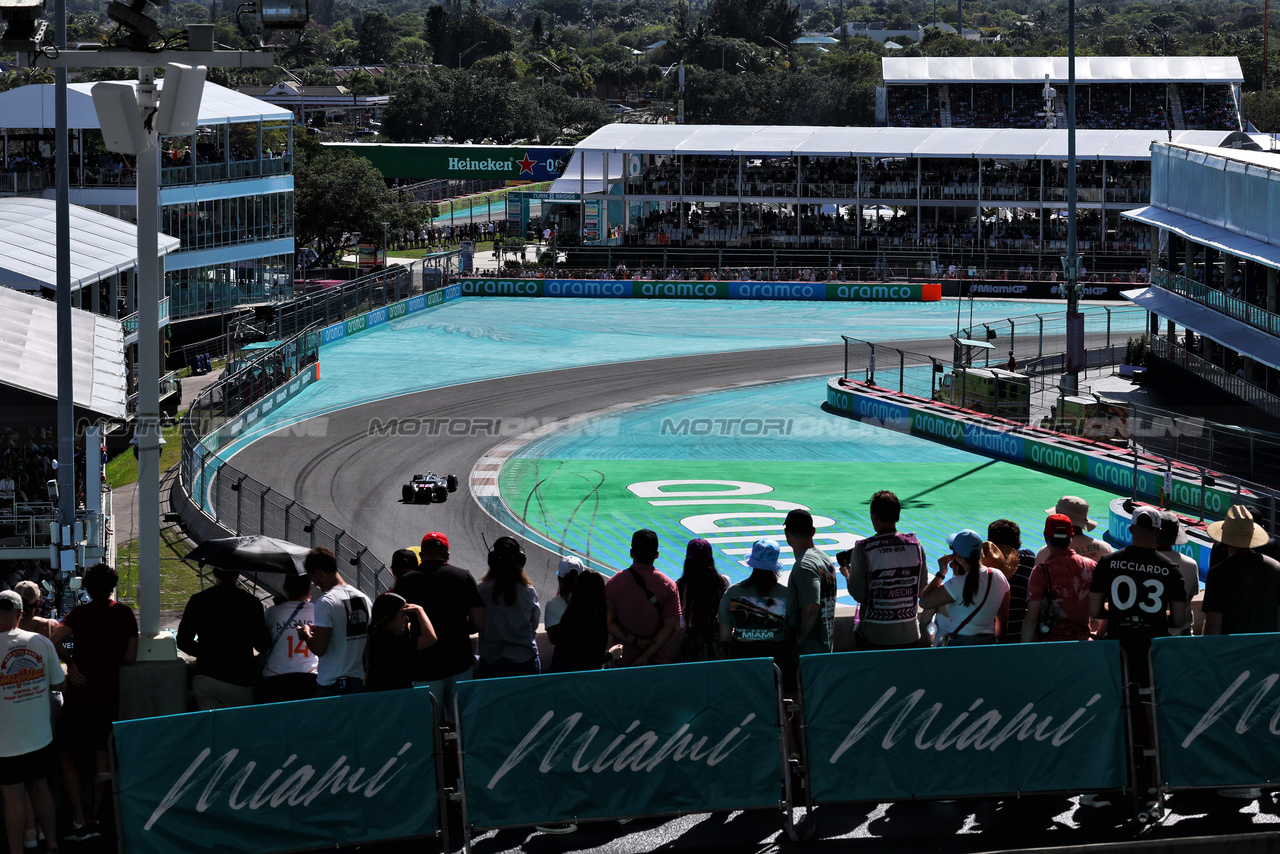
406, 492
452, 482
442, 496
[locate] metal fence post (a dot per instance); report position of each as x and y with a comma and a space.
902, 372
262, 510
239, 491
1040, 346
1107, 309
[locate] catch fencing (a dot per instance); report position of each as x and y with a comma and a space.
331, 305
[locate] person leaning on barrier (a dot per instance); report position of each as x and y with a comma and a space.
757, 615
221, 627
1172, 533
1241, 593
582, 635
643, 605
340, 630
885, 573
397, 629
974, 603
1058, 591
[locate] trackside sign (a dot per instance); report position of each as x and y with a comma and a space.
645, 289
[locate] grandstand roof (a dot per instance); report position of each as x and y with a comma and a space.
29, 358
1089, 69
101, 245
783, 141
32, 107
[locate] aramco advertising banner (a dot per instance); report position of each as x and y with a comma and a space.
279, 777
968, 720
647, 289
1218, 709
624, 742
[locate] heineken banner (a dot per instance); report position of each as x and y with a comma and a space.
625, 742
1218, 710
279, 777
422, 160
969, 720
646, 289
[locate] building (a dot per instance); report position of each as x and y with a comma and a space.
318, 105
226, 191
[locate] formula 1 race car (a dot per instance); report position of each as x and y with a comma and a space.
429, 487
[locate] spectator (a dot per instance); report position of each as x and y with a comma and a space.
105, 637
1058, 592
397, 630
757, 615
813, 586
1006, 536
974, 603
643, 605
885, 574
31, 621
402, 561
509, 639
341, 628
1242, 593
1173, 534
452, 601
221, 627
582, 636
29, 665
567, 573
701, 591
291, 665
1077, 510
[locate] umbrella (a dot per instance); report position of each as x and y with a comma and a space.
252, 554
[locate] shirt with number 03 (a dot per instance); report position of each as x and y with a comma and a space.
1138, 585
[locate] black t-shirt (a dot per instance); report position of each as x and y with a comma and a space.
1245, 590
1018, 596
222, 626
447, 593
1138, 585
389, 660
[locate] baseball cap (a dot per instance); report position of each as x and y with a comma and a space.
437, 538
1146, 517
1171, 530
964, 543
29, 591
698, 549
645, 542
569, 564
1076, 509
403, 560
1057, 530
10, 601
764, 555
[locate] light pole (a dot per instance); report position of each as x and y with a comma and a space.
1075, 321
302, 96
467, 51
787, 48
384, 243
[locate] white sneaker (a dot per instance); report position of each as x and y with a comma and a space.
1094, 801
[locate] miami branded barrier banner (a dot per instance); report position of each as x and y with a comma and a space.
624, 742
966, 721
279, 777
644, 289
1218, 710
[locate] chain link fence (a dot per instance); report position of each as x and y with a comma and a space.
337, 303
243, 504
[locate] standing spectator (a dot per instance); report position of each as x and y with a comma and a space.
221, 627
567, 573
885, 574
1058, 593
582, 637
974, 603
756, 615
813, 586
341, 627
31, 620
291, 665
397, 630
1242, 593
643, 605
29, 671
1012, 364
509, 639
105, 636
1006, 536
450, 597
701, 590
1077, 510
1173, 534
402, 561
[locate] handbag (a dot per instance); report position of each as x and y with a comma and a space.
950, 636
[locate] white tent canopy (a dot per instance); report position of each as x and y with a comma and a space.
784, 141
32, 107
101, 245
29, 357
1089, 69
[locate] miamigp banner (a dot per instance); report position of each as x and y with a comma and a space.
279, 777
624, 742
961, 721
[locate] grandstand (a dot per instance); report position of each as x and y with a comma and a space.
1123, 93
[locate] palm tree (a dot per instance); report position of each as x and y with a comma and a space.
1095, 16
1043, 20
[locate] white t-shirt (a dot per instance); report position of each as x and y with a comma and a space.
553, 612
1191, 580
28, 668
345, 610
984, 622
289, 653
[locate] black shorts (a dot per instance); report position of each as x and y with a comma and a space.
26, 768
85, 727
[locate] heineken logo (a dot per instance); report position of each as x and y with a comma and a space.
466, 164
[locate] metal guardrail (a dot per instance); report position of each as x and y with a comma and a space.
168, 385
330, 305
245, 505
1223, 303
129, 323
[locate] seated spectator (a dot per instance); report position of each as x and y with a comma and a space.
974, 603
397, 630
701, 590
508, 641
1058, 591
582, 636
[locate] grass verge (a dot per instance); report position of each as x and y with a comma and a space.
122, 469
179, 580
